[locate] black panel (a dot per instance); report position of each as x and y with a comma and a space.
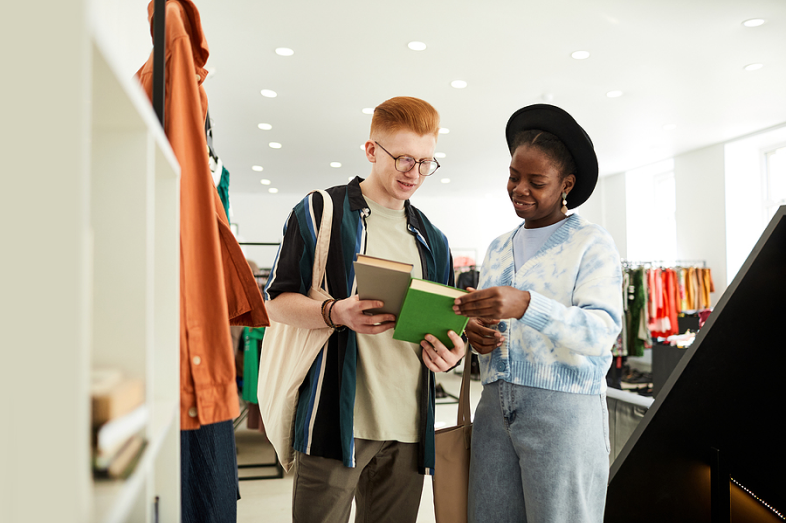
727, 392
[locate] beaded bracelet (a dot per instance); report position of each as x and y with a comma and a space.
330, 318
324, 316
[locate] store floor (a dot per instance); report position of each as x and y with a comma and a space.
270, 500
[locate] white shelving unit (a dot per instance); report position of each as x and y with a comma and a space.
90, 272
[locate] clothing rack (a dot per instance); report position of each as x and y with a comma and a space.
664, 263
159, 59
275, 464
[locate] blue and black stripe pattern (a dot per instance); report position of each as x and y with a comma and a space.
324, 420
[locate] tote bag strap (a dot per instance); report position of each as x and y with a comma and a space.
323, 241
464, 417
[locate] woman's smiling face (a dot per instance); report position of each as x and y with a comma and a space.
535, 187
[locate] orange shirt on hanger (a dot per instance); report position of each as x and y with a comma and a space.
216, 284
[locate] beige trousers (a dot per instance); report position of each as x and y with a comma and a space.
385, 483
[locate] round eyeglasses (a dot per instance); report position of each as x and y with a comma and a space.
404, 164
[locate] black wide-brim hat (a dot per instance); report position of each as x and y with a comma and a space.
552, 119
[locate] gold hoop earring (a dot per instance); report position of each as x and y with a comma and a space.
564, 203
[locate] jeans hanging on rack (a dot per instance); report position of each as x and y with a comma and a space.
208, 474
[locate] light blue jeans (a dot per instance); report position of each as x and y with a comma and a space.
538, 456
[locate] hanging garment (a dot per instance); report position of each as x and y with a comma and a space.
636, 316
672, 295
209, 487
223, 190
468, 279
708, 287
683, 302
690, 293
216, 284
253, 339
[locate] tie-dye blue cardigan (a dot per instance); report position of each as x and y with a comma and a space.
563, 341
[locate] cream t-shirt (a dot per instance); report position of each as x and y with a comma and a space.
388, 371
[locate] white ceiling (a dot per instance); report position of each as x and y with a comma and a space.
676, 62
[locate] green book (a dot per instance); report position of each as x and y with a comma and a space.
428, 309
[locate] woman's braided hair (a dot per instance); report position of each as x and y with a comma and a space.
549, 145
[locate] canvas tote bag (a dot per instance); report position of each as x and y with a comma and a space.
288, 352
451, 469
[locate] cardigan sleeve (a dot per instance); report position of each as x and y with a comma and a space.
593, 321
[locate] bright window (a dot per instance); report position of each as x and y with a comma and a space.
651, 213
774, 181
755, 187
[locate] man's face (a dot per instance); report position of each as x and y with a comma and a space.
397, 185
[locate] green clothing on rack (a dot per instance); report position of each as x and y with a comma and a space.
635, 315
223, 191
253, 337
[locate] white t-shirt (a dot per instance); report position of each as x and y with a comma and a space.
388, 371
527, 242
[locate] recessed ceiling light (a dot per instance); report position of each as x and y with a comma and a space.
417, 46
368, 110
257, 168
272, 190
445, 180
267, 93
753, 22
335, 165
284, 51
265, 126
753, 67
439, 155
580, 55
444, 130
614, 94
669, 127
458, 84
264, 181
275, 145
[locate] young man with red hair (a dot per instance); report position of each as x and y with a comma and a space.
364, 427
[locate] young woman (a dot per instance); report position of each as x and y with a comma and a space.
546, 314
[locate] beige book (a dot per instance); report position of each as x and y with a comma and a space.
113, 396
384, 280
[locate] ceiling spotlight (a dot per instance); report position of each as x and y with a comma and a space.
417, 46
267, 93
580, 55
614, 94
368, 110
284, 51
458, 84
444, 130
445, 180
753, 22
272, 190
265, 126
439, 155
257, 168
275, 145
335, 165
669, 127
264, 181
753, 67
